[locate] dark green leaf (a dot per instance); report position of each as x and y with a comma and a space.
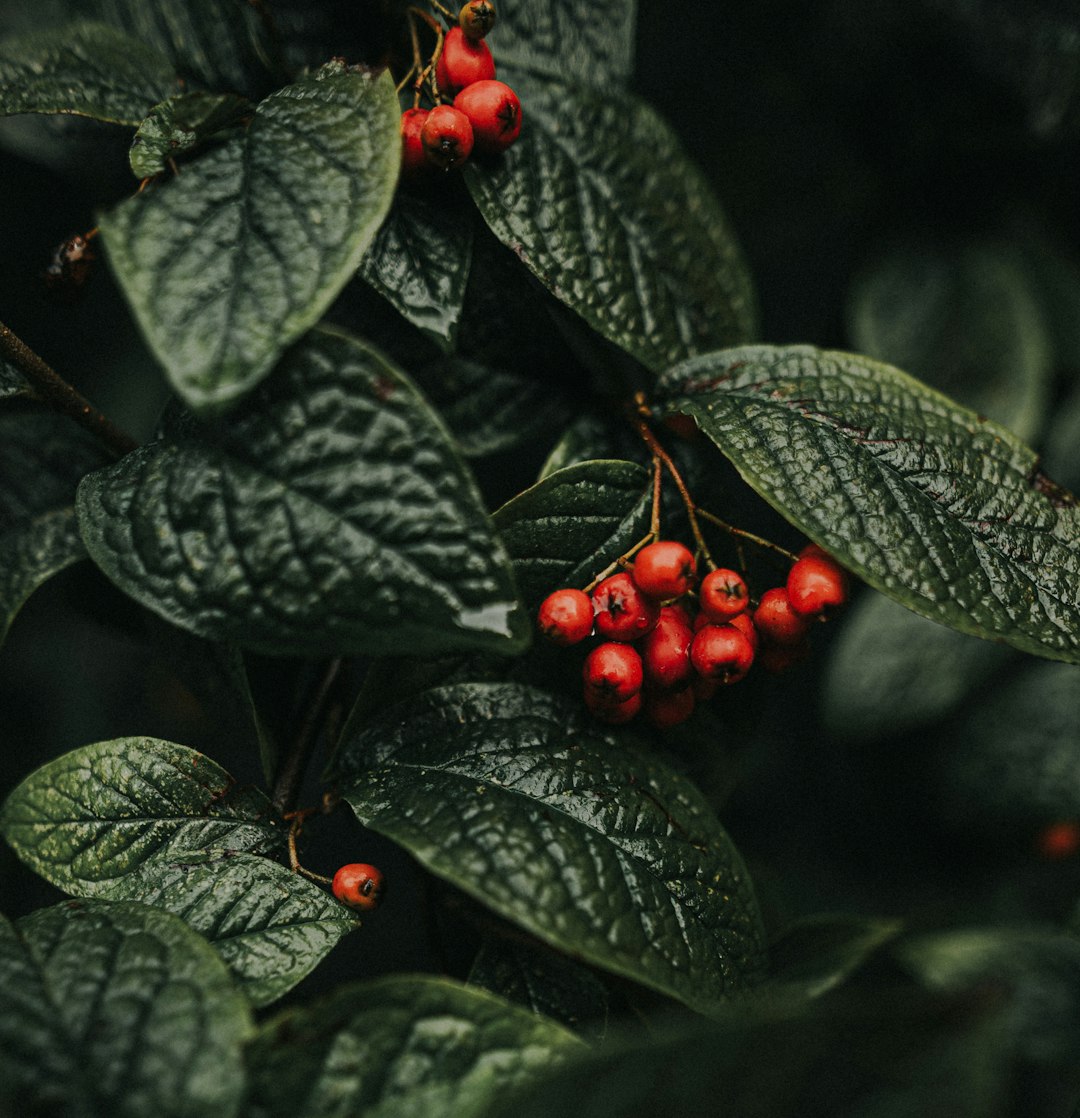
527, 803
86, 69
102, 812
611, 216
228, 263
329, 515
420, 260
938, 508
271, 926
567, 528
180, 124
411, 1047
110, 1008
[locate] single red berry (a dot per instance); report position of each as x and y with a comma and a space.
1058, 840
777, 658
721, 652
745, 624
359, 886
566, 616
816, 587
615, 713
776, 621
494, 111
447, 137
622, 612
612, 673
669, 708
666, 650
723, 594
813, 549
462, 62
414, 159
664, 569
477, 18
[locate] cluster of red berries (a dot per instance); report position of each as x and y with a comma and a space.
691, 644
485, 115
359, 886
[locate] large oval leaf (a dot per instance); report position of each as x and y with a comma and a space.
407, 1047
228, 263
328, 516
89, 818
932, 504
525, 802
119, 1010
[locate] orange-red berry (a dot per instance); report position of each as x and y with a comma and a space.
622, 611
414, 159
612, 673
776, 621
722, 653
462, 62
494, 112
665, 651
359, 886
664, 569
816, 586
477, 18
615, 713
566, 616
723, 594
447, 137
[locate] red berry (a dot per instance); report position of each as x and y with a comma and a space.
615, 713
447, 137
664, 569
494, 111
812, 549
723, 594
414, 159
622, 612
816, 587
666, 650
566, 616
477, 18
744, 623
359, 886
669, 708
1058, 840
776, 621
721, 652
612, 673
462, 62
777, 658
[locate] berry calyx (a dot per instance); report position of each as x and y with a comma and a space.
612, 673
668, 708
664, 569
566, 616
494, 111
615, 713
462, 62
447, 137
776, 621
721, 653
723, 594
665, 651
622, 612
414, 159
359, 885
816, 586
477, 18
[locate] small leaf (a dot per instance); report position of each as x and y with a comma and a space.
328, 516
526, 803
411, 1047
109, 1008
178, 125
85, 69
607, 211
933, 505
271, 926
99, 813
228, 263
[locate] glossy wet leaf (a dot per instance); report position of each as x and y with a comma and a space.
180, 124
410, 1046
531, 806
89, 818
228, 263
329, 515
115, 1009
944, 511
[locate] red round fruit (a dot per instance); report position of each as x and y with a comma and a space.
669, 708
414, 159
666, 650
744, 623
664, 569
359, 886
816, 586
723, 594
615, 713
566, 616
494, 111
721, 652
447, 137
622, 612
612, 673
477, 18
462, 62
776, 621
818, 552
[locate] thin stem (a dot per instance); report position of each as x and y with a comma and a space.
291, 772
654, 522
443, 11
742, 534
60, 395
295, 827
611, 568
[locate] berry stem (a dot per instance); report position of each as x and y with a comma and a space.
742, 534
427, 73
611, 568
654, 521
443, 11
296, 825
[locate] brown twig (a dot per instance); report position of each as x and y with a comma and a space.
743, 534
296, 825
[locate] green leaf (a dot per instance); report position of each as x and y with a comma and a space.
525, 802
178, 125
407, 1047
13, 383
328, 516
85, 69
109, 1008
607, 211
228, 263
936, 507
102, 812
567, 528
270, 925
420, 260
